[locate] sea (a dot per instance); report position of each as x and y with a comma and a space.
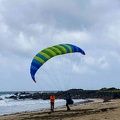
10, 106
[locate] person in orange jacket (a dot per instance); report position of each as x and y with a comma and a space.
52, 100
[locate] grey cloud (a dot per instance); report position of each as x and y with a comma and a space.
28, 26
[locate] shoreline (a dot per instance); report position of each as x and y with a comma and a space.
94, 110
39, 105
47, 109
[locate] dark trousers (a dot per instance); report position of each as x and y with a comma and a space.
67, 105
52, 106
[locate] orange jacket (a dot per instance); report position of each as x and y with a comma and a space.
52, 98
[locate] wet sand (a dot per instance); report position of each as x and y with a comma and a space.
96, 110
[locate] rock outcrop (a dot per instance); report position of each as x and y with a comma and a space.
111, 93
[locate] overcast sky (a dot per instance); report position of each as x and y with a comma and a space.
28, 26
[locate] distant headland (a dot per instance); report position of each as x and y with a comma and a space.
109, 93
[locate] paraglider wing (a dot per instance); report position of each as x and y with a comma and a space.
50, 52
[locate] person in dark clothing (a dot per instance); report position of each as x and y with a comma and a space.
68, 101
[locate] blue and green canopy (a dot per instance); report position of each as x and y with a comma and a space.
50, 52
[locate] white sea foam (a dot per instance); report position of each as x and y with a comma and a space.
8, 106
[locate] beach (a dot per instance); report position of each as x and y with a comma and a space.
96, 110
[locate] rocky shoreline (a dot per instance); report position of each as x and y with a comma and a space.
109, 93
